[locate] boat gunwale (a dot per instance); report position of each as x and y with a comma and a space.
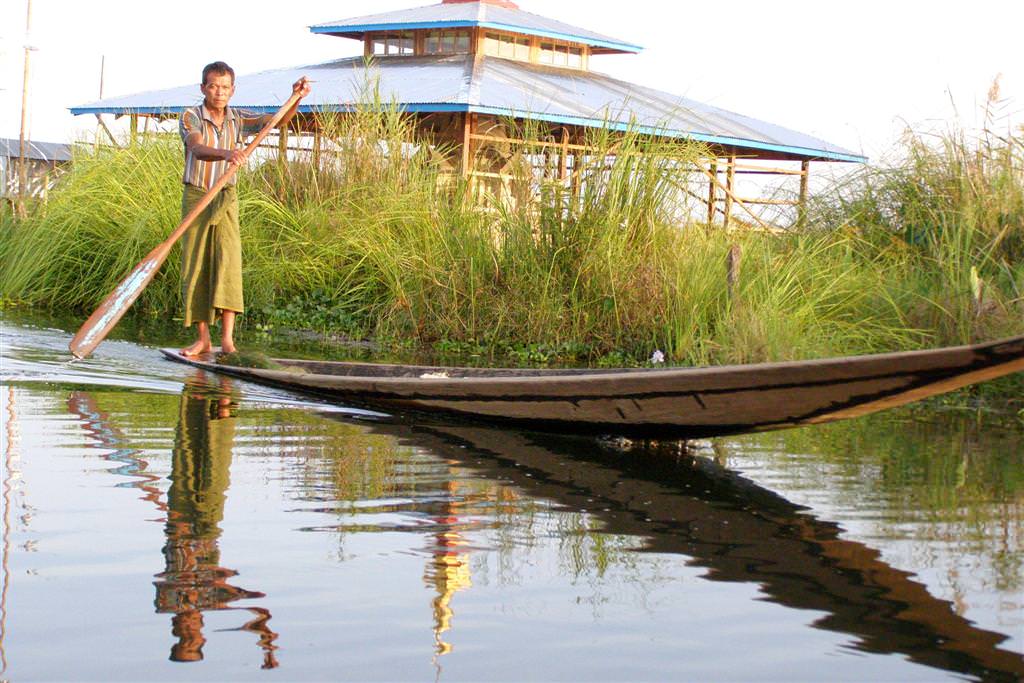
437, 375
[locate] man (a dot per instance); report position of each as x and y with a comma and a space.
211, 267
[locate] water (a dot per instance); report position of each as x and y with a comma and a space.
160, 523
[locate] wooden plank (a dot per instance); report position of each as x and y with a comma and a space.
767, 169
536, 143
768, 202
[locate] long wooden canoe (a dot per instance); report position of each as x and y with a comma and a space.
648, 402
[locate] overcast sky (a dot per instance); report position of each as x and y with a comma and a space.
852, 73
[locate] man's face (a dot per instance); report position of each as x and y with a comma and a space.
217, 90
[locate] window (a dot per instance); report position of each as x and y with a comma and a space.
576, 57
509, 47
446, 42
558, 54
549, 54
394, 44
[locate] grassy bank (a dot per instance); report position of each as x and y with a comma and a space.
365, 242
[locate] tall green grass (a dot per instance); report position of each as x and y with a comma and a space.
367, 239
950, 210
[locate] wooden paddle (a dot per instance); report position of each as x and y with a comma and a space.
99, 324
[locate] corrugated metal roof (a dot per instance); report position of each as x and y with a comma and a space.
45, 151
497, 86
454, 15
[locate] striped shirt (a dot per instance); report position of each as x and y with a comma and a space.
231, 134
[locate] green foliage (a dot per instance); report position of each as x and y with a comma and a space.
950, 211
368, 239
248, 359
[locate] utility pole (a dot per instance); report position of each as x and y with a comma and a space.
99, 119
22, 168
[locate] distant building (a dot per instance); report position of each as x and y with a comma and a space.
43, 161
466, 68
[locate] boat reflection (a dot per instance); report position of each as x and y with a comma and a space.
193, 581
740, 532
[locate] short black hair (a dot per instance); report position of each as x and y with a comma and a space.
218, 69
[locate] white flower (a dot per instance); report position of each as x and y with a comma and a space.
657, 357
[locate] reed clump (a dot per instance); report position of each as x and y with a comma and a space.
950, 211
368, 237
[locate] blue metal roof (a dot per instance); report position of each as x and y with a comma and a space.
468, 14
34, 149
501, 87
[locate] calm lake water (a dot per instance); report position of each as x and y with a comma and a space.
161, 523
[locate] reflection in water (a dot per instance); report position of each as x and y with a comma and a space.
739, 531
448, 572
10, 454
193, 580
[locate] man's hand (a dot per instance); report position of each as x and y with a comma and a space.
235, 156
302, 86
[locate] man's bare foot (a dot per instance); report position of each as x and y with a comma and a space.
227, 346
197, 349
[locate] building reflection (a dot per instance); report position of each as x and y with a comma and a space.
194, 580
448, 572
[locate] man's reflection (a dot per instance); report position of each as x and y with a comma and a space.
193, 580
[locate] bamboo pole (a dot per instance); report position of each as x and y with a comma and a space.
468, 165
99, 121
282, 146
730, 182
712, 193
563, 159
739, 202
103, 125
805, 169
317, 142
22, 168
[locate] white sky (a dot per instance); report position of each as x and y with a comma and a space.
852, 73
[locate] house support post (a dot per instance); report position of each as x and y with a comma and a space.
563, 158
712, 193
805, 173
282, 146
732, 265
468, 158
317, 140
730, 190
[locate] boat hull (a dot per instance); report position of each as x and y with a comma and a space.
649, 403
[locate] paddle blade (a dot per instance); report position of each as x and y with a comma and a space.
99, 324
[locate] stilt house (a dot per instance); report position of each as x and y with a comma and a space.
467, 69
